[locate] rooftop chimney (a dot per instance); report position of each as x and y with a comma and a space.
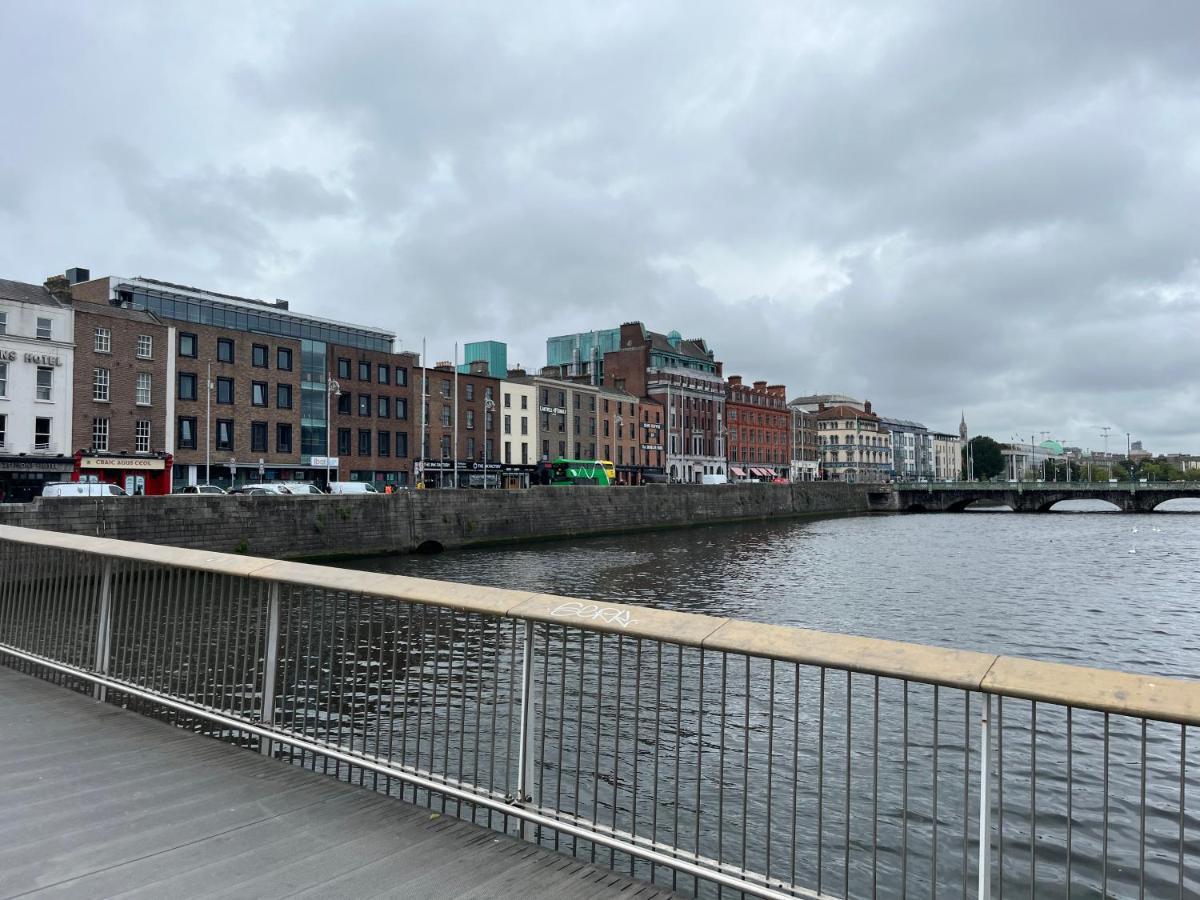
59, 288
735, 380
760, 385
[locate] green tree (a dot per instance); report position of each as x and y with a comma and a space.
986, 459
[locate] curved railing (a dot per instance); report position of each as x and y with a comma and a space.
694, 751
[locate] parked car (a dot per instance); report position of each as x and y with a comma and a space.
270, 487
82, 489
253, 490
352, 487
200, 489
714, 479
303, 487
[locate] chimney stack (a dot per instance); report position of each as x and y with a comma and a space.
867, 407
760, 385
59, 288
735, 380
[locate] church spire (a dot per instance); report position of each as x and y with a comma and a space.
962, 427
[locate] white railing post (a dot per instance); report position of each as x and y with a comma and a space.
985, 802
103, 629
525, 741
266, 714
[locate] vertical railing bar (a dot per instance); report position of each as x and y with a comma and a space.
1182, 805
1033, 837
449, 703
1104, 833
699, 752
1070, 796
391, 730
596, 757
545, 706
966, 836
1000, 795
746, 768
66, 603
821, 784
578, 794
617, 739
266, 713
462, 705
795, 772
319, 602
290, 634
103, 627
658, 649
408, 657
509, 788
215, 642
54, 611
770, 756
235, 627
423, 649
720, 770
188, 610
495, 711
43, 605
1142, 821
637, 748
162, 581
348, 654
904, 796
332, 599
562, 724
875, 791
675, 837
525, 737
937, 740
849, 746
985, 800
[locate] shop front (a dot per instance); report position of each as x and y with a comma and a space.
23, 477
441, 473
148, 473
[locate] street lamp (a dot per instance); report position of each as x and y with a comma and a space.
332, 389
488, 405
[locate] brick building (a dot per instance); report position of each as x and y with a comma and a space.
459, 456
248, 380
759, 423
373, 414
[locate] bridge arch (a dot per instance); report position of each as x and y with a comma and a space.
967, 502
1177, 505
1069, 503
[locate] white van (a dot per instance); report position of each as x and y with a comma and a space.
714, 479
352, 487
82, 489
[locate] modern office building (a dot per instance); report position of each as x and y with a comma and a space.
494, 354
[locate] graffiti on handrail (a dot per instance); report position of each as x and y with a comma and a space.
606, 614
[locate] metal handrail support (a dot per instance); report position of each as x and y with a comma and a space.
525, 734
271, 662
103, 628
985, 801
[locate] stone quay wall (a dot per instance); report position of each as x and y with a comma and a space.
310, 527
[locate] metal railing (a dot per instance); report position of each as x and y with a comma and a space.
709, 755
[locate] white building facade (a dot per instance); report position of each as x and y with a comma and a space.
518, 423
947, 456
37, 352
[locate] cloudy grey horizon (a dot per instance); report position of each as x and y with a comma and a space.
987, 208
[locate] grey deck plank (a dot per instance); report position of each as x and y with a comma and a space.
100, 801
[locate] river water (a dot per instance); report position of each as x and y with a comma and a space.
1093, 588
1086, 587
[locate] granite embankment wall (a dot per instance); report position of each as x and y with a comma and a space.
320, 526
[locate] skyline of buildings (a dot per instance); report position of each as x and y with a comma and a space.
154, 385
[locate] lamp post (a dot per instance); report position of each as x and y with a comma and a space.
208, 424
332, 389
488, 405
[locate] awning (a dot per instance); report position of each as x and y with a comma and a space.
735, 470
763, 473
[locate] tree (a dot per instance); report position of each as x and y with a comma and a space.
986, 459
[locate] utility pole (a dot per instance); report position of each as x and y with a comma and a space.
208, 385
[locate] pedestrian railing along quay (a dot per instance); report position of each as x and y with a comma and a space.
705, 754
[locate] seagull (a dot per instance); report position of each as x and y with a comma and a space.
1135, 529
1132, 550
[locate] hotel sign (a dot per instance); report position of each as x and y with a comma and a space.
41, 359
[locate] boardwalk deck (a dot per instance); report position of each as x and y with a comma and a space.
96, 801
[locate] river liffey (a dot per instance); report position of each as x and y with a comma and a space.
850, 784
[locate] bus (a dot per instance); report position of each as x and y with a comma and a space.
582, 471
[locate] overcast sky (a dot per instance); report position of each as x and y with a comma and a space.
985, 206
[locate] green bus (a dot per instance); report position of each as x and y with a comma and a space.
582, 471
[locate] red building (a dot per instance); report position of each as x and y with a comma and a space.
759, 429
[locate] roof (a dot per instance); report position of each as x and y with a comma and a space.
116, 312
841, 411
27, 293
696, 348
902, 423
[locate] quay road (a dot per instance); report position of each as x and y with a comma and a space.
1031, 496
100, 801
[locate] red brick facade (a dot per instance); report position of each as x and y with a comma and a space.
376, 419
759, 427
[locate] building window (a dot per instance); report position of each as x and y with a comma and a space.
343, 367
99, 434
145, 347
524, 401
283, 396
507, 424
187, 344
283, 437
470, 418
384, 374
364, 370
524, 424
383, 443
258, 437
3, 323
343, 444
100, 382
3, 429
364, 442
364, 404
401, 376
445, 448
343, 403
401, 407
187, 433
445, 416
258, 355
470, 391
43, 329
224, 434
45, 383
144, 382
224, 350
141, 436
384, 407
445, 387
401, 444
103, 341
41, 433
187, 386
225, 390
283, 359
470, 448
3, 379
507, 400
258, 393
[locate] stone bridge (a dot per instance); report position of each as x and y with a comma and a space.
1033, 496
